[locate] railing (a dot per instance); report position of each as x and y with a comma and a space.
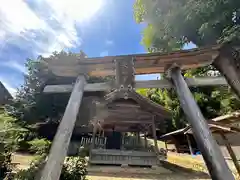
123, 157
100, 142
133, 143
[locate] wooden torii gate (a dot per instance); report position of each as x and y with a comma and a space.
224, 58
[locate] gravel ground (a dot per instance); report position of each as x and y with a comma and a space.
131, 173
145, 177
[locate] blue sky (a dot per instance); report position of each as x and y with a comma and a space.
39, 27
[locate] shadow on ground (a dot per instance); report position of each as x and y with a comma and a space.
178, 172
179, 169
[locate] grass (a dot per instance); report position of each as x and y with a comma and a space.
187, 161
182, 160
192, 163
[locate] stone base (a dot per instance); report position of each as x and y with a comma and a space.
124, 166
97, 169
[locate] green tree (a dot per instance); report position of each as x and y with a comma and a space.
213, 102
173, 23
10, 135
170, 25
31, 107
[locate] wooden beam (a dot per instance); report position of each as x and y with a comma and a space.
58, 151
201, 81
155, 135
145, 140
228, 65
209, 148
124, 105
165, 142
128, 114
119, 121
127, 119
94, 134
129, 110
164, 83
138, 137
189, 144
143, 64
231, 152
65, 88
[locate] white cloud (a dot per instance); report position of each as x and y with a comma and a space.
15, 65
104, 53
16, 17
74, 10
109, 42
49, 25
40, 27
68, 14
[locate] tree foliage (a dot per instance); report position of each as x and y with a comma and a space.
10, 135
31, 105
172, 24
213, 101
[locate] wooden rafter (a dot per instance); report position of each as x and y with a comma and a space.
144, 102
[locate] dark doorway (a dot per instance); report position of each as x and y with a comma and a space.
114, 140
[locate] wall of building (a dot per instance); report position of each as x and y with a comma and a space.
234, 140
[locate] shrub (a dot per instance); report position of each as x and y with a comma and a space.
33, 172
5, 161
84, 151
9, 136
74, 168
39, 146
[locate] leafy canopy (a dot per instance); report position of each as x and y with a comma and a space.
34, 109
173, 23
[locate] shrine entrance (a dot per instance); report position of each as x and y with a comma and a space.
117, 107
113, 140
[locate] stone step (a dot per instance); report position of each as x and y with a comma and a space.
123, 170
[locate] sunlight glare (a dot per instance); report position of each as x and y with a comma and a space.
78, 10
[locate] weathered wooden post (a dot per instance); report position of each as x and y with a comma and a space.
94, 134
145, 140
155, 135
231, 152
166, 147
138, 139
212, 155
189, 144
58, 152
228, 63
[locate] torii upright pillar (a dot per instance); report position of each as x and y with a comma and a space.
228, 63
59, 148
212, 155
